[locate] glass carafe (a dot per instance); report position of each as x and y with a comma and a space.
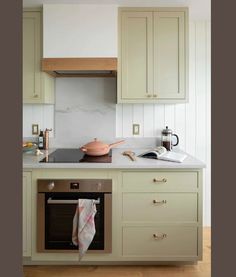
166, 139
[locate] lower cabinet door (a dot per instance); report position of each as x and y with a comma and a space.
160, 207
160, 241
26, 192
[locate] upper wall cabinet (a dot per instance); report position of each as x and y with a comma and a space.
153, 55
38, 87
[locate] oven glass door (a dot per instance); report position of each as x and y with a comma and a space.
59, 221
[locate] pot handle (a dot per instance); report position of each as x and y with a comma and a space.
83, 149
116, 143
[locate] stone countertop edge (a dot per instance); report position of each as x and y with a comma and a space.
31, 161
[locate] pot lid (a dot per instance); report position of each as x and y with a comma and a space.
167, 131
96, 144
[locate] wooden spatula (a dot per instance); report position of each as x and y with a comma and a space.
130, 154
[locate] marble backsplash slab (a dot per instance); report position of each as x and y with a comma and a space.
85, 108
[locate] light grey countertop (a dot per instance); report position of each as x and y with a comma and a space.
31, 161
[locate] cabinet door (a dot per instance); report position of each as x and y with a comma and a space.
26, 192
169, 55
162, 241
136, 55
31, 57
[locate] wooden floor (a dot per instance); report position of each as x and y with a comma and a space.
202, 269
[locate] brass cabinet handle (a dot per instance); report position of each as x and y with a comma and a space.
155, 236
154, 95
149, 95
164, 180
159, 202
36, 96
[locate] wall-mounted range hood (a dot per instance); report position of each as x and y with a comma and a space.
80, 67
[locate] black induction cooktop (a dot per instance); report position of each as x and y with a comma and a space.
75, 155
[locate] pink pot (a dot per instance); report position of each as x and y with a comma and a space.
98, 148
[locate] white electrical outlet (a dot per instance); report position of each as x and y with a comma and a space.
35, 129
136, 129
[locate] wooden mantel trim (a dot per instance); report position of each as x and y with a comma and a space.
63, 64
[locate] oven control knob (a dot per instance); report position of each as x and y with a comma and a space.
51, 186
99, 186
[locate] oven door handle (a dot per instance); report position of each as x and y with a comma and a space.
66, 201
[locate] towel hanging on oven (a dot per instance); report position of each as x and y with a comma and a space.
84, 225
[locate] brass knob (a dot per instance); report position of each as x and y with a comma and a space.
159, 202
51, 186
149, 95
155, 236
154, 95
36, 96
164, 180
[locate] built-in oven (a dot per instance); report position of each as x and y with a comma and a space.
56, 206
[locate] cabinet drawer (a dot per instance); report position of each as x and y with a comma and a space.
161, 241
159, 181
168, 207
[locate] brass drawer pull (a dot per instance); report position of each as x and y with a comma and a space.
164, 180
154, 95
159, 202
36, 96
163, 236
149, 95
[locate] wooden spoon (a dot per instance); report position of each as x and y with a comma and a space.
130, 154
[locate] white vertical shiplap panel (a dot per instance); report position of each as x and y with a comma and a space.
191, 107
48, 118
27, 120
180, 124
119, 120
159, 119
43, 115
170, 116
127, 120
201, 90
207, 219
138, 117
148, 120
37, 116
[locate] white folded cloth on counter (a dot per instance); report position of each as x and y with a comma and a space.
84, 225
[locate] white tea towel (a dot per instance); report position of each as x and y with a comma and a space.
84, 225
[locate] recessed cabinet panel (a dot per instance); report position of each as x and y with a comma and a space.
31, 56
160, 241
38, 87
26, 192
136, 51
169, 60
160, 207
162, 181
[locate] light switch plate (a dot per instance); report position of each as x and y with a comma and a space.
136, 129
35, 129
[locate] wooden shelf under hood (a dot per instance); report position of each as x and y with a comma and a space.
80, 67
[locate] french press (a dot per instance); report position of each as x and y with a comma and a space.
166, 139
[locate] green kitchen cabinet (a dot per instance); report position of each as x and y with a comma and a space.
168, 224
160, 210
153, 55
38, 87
26, 206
